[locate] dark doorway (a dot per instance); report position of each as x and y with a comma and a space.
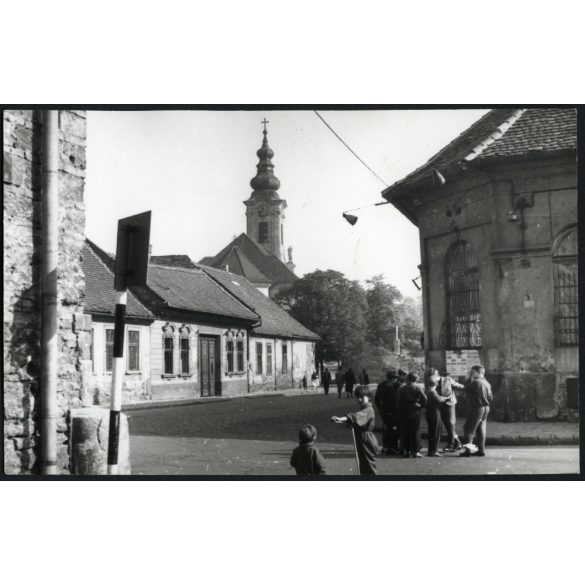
209, 357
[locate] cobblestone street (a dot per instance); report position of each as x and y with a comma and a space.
256, 436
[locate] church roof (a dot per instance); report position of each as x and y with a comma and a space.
275, 321
251, 261
100, 296
502, 134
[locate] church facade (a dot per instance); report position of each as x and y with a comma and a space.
496, 211
259, 254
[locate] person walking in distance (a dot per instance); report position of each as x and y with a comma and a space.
411, 399
339, 381
363, 422
349, 382
385, 401
326, 380
479, 392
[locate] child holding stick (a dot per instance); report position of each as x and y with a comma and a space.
363, 422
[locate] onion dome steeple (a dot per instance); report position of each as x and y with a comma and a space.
265, 183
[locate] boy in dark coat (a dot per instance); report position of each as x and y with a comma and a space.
363, 422
385, 401
411, 399
306, 458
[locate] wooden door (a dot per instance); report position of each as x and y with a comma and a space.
209, 371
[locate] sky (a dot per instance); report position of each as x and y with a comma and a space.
192, 169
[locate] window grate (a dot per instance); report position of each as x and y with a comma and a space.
463, 326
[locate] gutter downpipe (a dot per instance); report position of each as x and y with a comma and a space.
49, 259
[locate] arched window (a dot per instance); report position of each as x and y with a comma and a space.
185, 348
463, 327
566, 293
168, 349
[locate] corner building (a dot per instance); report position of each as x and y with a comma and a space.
497, 215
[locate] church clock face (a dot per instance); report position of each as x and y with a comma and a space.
263, 211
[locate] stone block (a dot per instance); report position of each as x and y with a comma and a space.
72, 124
89, 442
81, 322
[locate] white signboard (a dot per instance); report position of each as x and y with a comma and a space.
458, 363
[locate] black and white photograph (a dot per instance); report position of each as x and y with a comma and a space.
263, 291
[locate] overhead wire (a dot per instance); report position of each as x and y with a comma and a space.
350, 149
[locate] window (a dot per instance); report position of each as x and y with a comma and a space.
269, 359
240, 354
566, 292
109, 349
263, 232
185, 349
258, 358
463, 326
133, 351
230, 355
284, 357
168, 349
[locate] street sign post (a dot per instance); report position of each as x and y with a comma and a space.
131, 270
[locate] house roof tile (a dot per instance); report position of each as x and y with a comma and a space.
275, 320
100, 296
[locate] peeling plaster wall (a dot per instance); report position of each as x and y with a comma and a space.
516, 278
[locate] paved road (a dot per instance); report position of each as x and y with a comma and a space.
153, 455
256, 436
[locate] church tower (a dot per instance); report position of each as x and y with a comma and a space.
264, 208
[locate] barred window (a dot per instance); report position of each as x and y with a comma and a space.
168, 349
258, 358
269, 359
185, 349
463, 325
109, 349
566, 292
240, 354
133, 351
284, 357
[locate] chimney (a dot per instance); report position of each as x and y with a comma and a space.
225, 267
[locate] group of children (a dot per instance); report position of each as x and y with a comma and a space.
399, 400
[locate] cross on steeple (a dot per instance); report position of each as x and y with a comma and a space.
265, 121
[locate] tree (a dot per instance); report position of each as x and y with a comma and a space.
383, 312
333, 307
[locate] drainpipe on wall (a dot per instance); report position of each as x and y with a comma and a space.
49, 259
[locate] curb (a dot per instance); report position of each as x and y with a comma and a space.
208, 400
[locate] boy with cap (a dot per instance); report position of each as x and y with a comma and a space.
306, 458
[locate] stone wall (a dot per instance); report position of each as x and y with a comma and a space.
22, 244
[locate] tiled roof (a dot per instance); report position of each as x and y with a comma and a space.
193, 290
275, 321
537, 130
178, 260
254, 263
100, 297
502, 132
